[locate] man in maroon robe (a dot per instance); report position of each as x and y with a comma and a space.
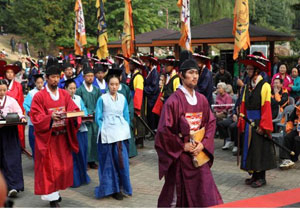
55, 138
184, 112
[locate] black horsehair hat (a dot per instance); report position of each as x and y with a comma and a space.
87, 69
36, 76
189, 64
185, 55
66, 64
113, 72
99, 67
52, 66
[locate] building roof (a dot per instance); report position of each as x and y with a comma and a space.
221, 32
144, 39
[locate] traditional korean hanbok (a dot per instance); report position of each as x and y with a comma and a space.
10, 148
125, 90
185, 185
101, 85
113, 120
27, 105
80, 175
90, 97
15, 90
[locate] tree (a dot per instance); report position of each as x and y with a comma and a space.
42, 22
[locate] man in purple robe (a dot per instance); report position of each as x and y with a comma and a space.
186, 111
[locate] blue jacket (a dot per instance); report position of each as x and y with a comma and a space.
296, 87
151, 87
33, 72
79, 80
205, 84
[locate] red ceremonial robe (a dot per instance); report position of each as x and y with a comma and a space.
16, 91
53, 167
195, 187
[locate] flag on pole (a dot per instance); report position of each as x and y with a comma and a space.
102, 39
186, 37
80, 38
128, 33
241, 27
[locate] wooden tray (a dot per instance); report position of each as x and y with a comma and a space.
3, 123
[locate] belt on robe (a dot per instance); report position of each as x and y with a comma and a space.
57, 133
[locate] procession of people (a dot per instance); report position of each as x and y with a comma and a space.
118, 116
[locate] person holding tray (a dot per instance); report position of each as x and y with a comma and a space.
80, 175
15, 90
186, 112
10, 147
55, 137
112, 117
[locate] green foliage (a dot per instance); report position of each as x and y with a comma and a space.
291, 61
49, 23
203, 11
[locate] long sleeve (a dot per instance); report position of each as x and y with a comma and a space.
287, 82
99, 113
16, 108
126, 112
210, 128
27, 103
151, 84
296, 86
241, 122
39, 118
42, 123
83, 108
168, 145
176, 84
266, 111
138, 85
290, 122
130, 106
282, 99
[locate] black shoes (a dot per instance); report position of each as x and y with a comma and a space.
249, 181
118, 196
54, 204
93, 165
258, 183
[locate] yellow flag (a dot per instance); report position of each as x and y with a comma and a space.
241, 27
80, 37
128, 33
186, 37
102, 38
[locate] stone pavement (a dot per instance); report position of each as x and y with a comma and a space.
146, 186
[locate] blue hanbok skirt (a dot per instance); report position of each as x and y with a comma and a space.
10, 158
80, 175
113, 169
31, 139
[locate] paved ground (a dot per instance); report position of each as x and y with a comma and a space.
146, 186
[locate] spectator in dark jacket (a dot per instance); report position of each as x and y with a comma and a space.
205, 81
223, 76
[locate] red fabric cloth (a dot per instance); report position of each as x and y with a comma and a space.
16, 92
53, 165
158, 105
195, 187
266, 115
138, 99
